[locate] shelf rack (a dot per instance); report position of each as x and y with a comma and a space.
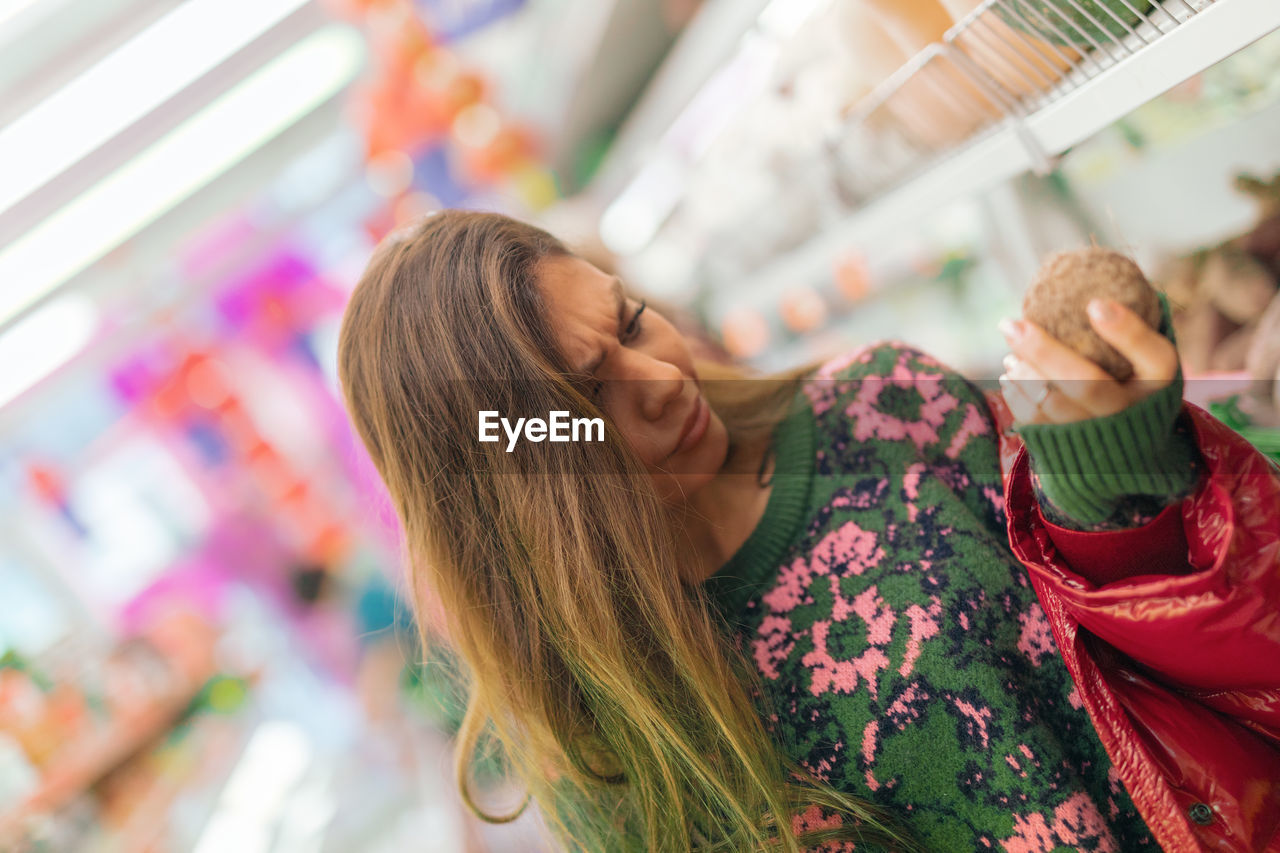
1016, 131
80, 765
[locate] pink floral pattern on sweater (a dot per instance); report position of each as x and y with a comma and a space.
902, 653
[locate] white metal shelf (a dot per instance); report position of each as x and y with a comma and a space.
705, 45
1017, 145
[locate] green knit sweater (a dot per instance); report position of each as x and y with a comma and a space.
902, 652
1118, 471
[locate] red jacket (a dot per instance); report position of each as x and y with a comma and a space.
1172, 634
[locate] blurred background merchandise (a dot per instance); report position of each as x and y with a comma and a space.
204, 642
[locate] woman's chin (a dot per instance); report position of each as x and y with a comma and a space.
688, 472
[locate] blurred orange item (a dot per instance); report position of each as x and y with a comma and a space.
436, 69
937, 106
465, 90
297, 493
745, 332
23, 705
170, 399
206, 384
400, 117
803, 309
185, 641
360, 8
511, 149
853, 277
46, 482
273, 475
330, 545
380, 223
476, 125
865, 36
912, 24
1018, 61
412, 206
400, 112
1188, 91
237, 427
68, 710
42, 722
134, 675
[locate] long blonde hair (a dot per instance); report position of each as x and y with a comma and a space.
609, 684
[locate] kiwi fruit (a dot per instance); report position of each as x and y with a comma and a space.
1062, 288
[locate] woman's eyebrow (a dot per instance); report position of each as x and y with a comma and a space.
621, 299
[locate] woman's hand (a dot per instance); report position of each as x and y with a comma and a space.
1047, 382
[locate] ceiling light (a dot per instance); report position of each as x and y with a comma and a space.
632, 220
130, 82
186, 160
42, 342
782, 18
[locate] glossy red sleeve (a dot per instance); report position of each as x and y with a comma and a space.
1171, 632
1156, 548
1194, 593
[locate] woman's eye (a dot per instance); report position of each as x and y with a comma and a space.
594, 387
633, 328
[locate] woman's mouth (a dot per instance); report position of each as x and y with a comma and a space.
694, 427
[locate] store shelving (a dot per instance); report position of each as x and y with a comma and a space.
1092, 97
81, 764
704, 45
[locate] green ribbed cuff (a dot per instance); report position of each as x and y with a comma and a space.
1087, 468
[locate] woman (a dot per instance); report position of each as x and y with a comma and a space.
774, 614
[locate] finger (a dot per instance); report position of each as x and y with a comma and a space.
1050, 357
1033, 386
1076, 377
1058, 408
1098, 398
1036, 400
1152, 355
1024, 411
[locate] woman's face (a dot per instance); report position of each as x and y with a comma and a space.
643, 374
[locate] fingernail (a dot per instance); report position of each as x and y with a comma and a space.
1009, 363
1011, 329
1101, 310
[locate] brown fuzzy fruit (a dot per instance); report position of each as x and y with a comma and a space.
1063, 287
1237, 284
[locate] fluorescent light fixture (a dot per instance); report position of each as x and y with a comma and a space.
632, 221
10, 9
183, 162
130, 82
722, 97
273, 764
782, 18
43, 341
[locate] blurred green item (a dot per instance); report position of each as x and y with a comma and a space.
1079, 24
12, 659
224, 694
436, 687
1266, 439
955, 273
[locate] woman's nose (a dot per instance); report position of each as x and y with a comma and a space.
657, 382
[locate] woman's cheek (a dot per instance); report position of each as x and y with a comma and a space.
653, 450
643, 443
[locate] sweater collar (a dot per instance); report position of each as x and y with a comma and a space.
759, 557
